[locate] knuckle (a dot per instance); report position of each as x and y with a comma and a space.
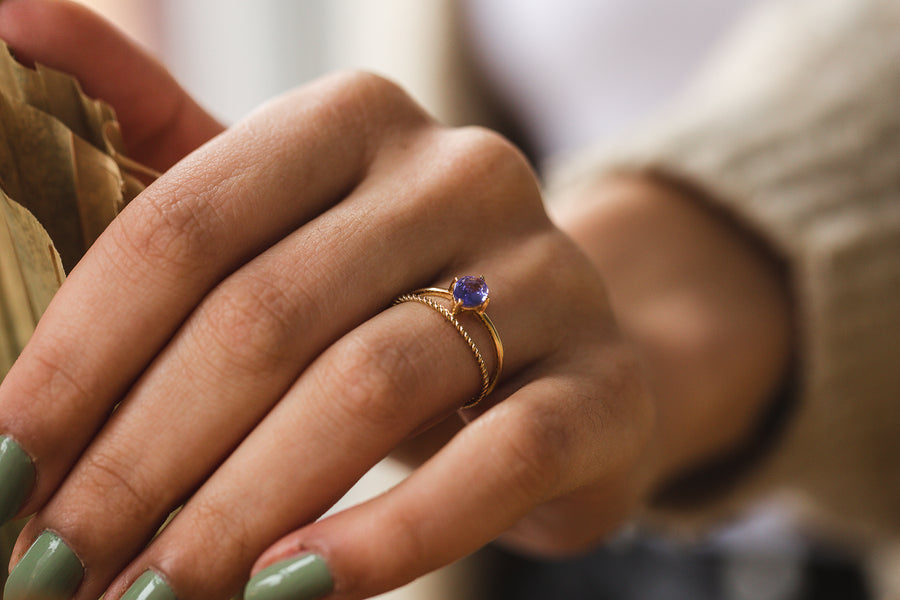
174, 228
222, 529
538, 444
485, 141
412, 546
211, 517
492, 165
370, 89
412, 550
369, 103
483, 151
52, 376
253, 322
115, 480
375, 377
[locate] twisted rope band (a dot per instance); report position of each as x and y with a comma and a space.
487, 383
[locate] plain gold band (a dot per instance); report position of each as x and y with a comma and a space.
488, 382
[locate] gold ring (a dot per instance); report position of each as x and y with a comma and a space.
466, 294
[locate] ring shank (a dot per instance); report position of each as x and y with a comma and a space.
489, 382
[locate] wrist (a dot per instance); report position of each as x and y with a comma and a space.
705, 304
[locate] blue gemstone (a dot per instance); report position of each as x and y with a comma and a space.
471, 291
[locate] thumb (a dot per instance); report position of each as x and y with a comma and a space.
160, 122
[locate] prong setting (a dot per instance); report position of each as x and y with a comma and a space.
465, 294
469, 293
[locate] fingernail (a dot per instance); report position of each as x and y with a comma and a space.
149, 586
48, 571
16, 478
303, 578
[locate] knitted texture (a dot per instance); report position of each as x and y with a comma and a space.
795, 130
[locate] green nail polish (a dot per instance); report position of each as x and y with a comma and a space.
48, 571
303, 578
149, 586
16, 478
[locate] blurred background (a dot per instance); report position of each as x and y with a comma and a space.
234, 54
231, 54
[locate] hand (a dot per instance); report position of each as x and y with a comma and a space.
237, 309
229, 344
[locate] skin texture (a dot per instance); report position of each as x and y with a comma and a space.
239, 311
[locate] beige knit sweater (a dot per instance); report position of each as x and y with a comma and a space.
795, 130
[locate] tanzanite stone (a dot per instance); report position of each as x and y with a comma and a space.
470, 291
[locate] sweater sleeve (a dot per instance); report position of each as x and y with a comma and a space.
794, 130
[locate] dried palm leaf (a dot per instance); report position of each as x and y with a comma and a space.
63, 178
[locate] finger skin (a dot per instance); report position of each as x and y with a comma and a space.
208, 215
360, 398
326, 433
160, 122
246, 343
535, 446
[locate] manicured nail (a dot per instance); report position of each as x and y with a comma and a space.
149, 586
16, 478
48, 571
303, 578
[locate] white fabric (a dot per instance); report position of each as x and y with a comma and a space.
581, 70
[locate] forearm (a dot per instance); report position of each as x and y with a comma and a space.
704, 303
